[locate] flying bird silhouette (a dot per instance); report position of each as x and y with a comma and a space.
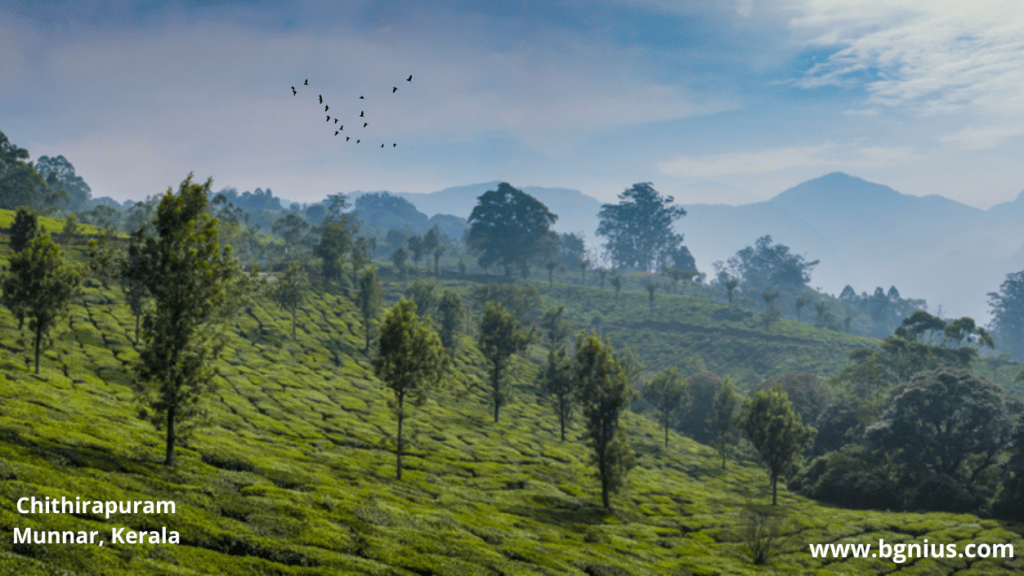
342, 127
393, 145
357, 141
335, 132
364, 124
293, 91
326, 107
409, 79
321, 98
346, 138
361, 98
306, 82
381, 145
328, 118
361, 114
335, 120
393, 90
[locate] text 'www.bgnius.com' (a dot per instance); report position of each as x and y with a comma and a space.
900, 553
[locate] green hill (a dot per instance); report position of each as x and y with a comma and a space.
293, 472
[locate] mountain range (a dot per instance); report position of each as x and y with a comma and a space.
864, 234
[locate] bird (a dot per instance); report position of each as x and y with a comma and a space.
357, 141
346, 138
306, 82
328, 118
394, 89
335, 132
321, 98
293, 91
381, 145
326, 107
364, 124
361, 98
335, 120
409, 79
393, 145
361, 114
342, 127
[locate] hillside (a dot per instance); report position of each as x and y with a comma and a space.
294, 471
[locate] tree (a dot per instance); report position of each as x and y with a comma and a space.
22, 185
584, 264
556, 326
558, 382
292, 228
400, 258
336, 240
132, 282
422, 293
617, 284
764, 266
771, 310
60, 174
70, 230
24, 229
667, 393
946, 422
602, 391
770, 424
639, 227
805, 392
369, 299
40, 285
103, 259
799, 303
551, 264
360, 257
196, 286
651, 286
412, 361
723, 418
522, 301
416, 249
704, 385
430, 241
102, 216
438, 252
1008, 314
508, 227
730, 288
290, 289
451, 314
499, 339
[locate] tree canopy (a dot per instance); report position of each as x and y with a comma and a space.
508, 227
1008, 314
639, 228
770, 424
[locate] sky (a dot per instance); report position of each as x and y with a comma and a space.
711, 101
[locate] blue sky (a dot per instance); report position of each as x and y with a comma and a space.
712, 101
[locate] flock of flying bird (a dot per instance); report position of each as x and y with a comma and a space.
361, 113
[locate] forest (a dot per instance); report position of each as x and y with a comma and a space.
363, 389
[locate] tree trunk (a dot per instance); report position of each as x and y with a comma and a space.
666, 431
400, 418
137, 329
561, 416
604, 483
39, 340
169, 460
293, 323
775, 480
497, 392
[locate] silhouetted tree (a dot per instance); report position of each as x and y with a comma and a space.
508, 227
369, 299
667, 393
500, 338
723, 420
558, 382
770, 424
639, 227
290, 289
450, 314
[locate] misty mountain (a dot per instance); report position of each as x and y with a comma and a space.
864, 234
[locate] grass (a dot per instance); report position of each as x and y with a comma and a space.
294, 471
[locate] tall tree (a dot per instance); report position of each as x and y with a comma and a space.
667, 393
772, 313
60, 174
766, 266
770, 424
360, 257
558, 383
22, 185
103, 258
40, 285
450, 317
617, 285
416, 248
1008, 314
438, 252
411, 362
197, 286
335, 242
602, 391
723, 419
369, 299
292, 228
652, 286
556, 325
508, 227
422, 293
291, 289
639, 227
500, 338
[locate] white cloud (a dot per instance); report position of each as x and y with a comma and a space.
781, 159
930, 58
